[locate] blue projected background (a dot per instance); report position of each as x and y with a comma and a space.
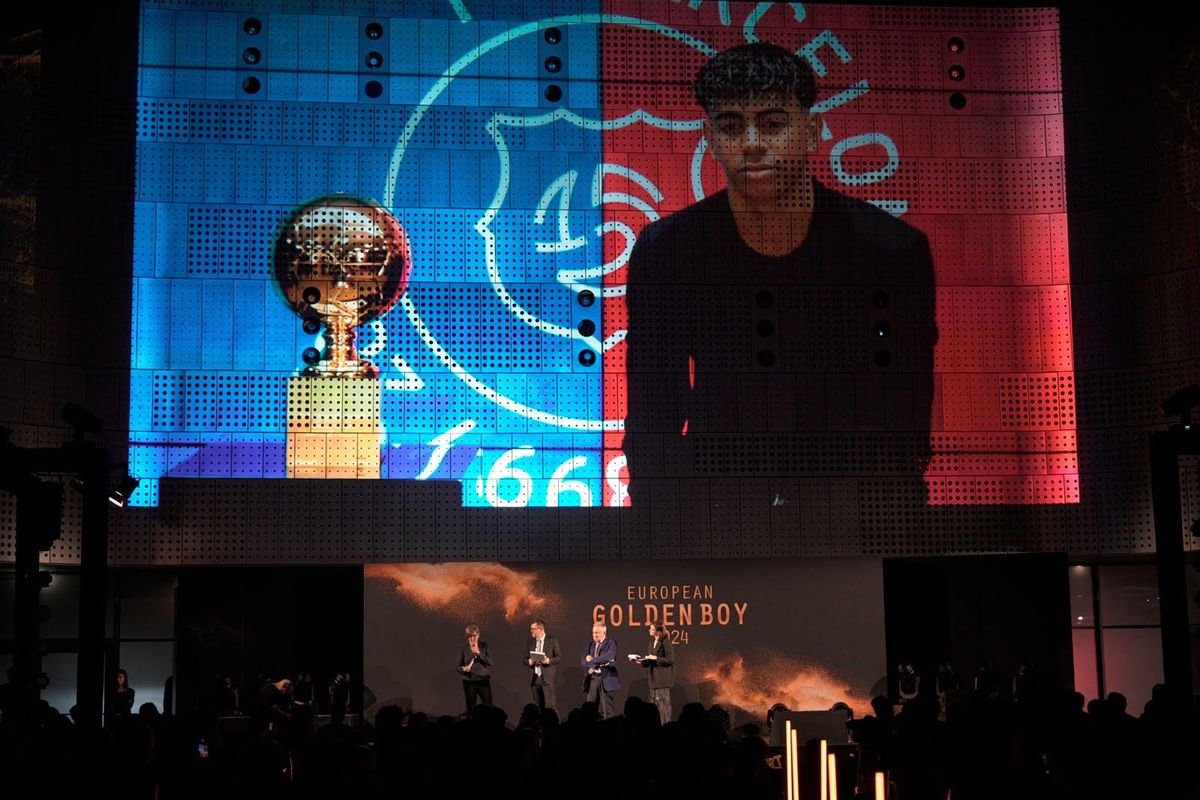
481, 378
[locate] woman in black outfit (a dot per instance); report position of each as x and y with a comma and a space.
475, 666
120, 699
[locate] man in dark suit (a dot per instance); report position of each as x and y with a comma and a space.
600, 679
542, 670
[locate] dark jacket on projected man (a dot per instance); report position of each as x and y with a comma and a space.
816, 363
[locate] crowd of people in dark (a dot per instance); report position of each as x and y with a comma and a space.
969, 744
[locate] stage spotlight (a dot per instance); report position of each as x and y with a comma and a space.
303, 690
1181, 404
82, 420
339, 692
39, 512
987, 681
1184, 399
125, 487
1022, 681
946, 679
908, 681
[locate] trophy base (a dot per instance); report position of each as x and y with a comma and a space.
346, 369
334, 427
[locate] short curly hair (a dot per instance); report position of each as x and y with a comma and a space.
755, 70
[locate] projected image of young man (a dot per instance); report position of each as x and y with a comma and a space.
777, 327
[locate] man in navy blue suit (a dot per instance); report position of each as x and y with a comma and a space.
600, 679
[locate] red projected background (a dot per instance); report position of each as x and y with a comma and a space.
951, 120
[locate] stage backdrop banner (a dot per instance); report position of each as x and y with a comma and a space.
747, 633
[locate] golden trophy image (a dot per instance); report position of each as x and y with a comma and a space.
341, 262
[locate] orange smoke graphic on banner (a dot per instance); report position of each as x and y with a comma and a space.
797, 686
465, 588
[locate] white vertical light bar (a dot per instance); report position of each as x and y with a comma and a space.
787, 758
824, 770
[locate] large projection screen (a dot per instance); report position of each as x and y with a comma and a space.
462, 185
